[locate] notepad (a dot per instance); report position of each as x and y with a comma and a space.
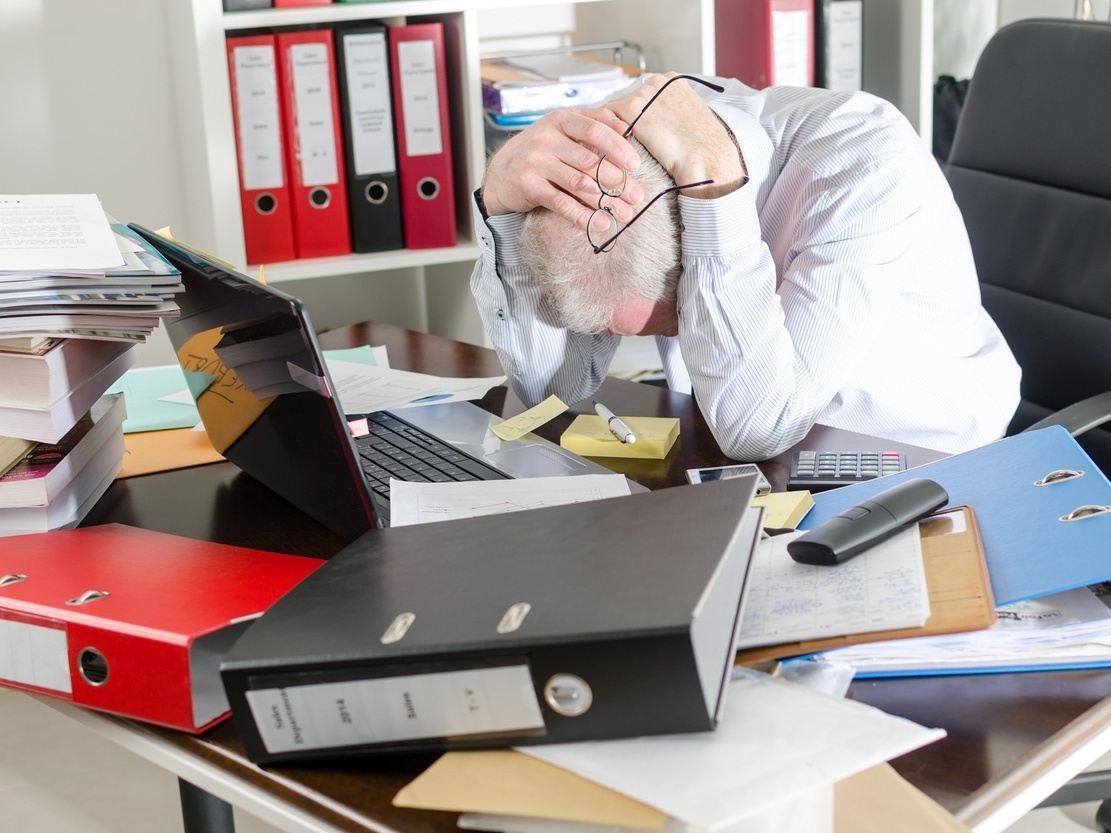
590, 437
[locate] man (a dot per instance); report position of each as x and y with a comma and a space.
823, 275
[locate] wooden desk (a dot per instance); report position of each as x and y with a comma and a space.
1013, 738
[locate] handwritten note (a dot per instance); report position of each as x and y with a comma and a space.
516, 427
880, 589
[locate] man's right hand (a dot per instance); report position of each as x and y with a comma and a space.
552, 163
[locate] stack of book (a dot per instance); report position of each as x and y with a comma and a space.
77, 292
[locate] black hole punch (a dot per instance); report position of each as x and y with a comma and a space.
93, 666
376, 192
265, 203
428, 188
320, 197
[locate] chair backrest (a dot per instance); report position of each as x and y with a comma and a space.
1030, 167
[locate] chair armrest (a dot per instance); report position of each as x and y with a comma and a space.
1080, 416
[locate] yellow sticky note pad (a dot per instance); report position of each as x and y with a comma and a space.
516, 427
590, 437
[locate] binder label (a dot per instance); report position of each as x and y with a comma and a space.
35, 655
390, 709
420, 98
790, 49
260, 137
368, 94
315, 124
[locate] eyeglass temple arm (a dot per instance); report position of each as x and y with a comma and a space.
715, 87
639, 214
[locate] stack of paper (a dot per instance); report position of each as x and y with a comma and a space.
68, 269
77, 292
1064, 630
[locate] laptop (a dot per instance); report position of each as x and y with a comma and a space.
257, 373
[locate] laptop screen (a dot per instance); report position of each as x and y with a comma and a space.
257, 373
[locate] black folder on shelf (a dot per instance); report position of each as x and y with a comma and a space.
603, 619
369, 138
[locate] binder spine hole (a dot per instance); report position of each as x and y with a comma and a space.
1058, 476
12, 578
320, 197
428, 188
92, 666
265, 204
1088, 510
376, 192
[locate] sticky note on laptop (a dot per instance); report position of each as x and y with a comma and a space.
590, 436
516, 427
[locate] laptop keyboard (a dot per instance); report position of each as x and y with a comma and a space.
396, 449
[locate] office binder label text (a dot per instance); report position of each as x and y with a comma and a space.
387, 710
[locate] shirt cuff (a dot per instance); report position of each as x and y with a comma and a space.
498, 236
720, 226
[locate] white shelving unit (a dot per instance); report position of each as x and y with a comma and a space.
674, 34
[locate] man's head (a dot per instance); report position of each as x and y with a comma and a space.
627, 290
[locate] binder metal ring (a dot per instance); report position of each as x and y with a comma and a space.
1088, 510
93, 666
1058, 476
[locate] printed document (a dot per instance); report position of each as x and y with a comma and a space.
51, 233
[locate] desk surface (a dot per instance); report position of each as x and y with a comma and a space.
1012, 738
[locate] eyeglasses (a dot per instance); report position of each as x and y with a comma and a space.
603, 218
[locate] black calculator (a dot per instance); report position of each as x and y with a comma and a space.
817, 471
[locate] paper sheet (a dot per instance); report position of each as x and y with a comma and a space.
413, 503
776, 740
881, 589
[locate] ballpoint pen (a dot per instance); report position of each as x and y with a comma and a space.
616, 426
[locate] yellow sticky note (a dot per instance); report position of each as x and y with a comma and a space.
784, 510
590, 436
516, 427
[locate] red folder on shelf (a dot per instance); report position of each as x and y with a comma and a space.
132, 622
766, 43
313, 142
263, 180
423, 134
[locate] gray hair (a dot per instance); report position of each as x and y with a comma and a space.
584, 289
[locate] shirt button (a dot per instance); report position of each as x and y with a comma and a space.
500, 314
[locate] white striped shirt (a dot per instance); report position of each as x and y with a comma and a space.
836, 287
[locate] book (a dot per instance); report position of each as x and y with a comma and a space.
72, 503
49, 425
12, 450
46, 468
39, 377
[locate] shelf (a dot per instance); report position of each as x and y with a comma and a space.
323, 267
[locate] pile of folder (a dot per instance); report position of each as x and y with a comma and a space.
344, 140
77, 292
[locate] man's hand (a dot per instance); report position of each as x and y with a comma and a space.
552, 162
684, 135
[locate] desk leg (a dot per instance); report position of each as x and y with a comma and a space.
202, 812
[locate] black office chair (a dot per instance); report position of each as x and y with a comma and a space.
1030, 167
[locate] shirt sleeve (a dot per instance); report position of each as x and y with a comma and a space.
539, 357
768, 349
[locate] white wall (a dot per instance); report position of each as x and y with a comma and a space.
85, 108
